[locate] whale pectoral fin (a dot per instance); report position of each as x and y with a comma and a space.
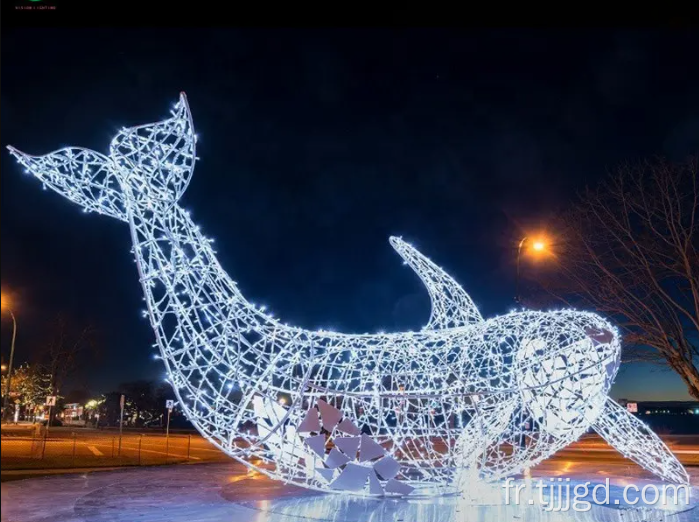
84, 176
482, 431
451, 305
633, 439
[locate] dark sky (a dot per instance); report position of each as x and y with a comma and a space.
316, 146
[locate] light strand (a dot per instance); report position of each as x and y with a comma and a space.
375, 414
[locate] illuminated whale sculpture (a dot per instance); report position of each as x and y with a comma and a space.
384, 414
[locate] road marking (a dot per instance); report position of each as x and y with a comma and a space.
95, 451
209, 449
193, 448
612, 450
135, 448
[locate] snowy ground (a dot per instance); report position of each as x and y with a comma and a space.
227, 492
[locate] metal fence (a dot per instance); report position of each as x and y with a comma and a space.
77, 450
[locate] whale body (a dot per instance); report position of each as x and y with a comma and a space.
465, 398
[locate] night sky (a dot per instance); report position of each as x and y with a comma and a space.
315, 147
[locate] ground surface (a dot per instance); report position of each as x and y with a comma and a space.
79, 448
226, 491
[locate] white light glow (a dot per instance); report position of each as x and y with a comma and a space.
465, 398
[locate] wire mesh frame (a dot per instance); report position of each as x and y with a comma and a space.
232, 364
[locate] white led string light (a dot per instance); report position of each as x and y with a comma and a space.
374, 414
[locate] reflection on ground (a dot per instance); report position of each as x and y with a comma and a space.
228, 492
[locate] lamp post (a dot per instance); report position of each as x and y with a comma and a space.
538, 246
5, 402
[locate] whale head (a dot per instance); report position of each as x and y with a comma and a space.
565, 366
148, 165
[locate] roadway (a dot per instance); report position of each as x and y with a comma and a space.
68, 447
84, 447
592, 456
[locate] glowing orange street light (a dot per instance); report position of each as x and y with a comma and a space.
6, 306
539, 246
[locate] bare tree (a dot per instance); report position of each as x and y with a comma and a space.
629, 248
66, 350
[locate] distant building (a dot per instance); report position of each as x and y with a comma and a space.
668, 408
72, 412
666, 417
661, 407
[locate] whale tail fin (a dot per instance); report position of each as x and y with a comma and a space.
150, 164
84, 176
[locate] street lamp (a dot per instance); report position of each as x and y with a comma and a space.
538, 246
6, 306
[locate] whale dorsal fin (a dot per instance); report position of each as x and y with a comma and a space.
451, 305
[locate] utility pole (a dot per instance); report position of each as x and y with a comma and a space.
121, 419
519, 255
5, 401
169, 411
